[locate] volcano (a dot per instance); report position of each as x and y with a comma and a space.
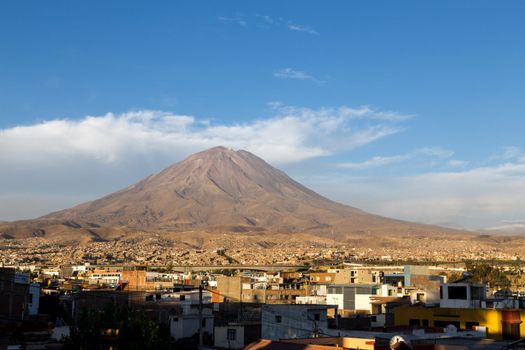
218, 189
230, 190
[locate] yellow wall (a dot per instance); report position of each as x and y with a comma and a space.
358, 343
489, 318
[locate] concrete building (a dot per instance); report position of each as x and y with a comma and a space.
186, 324
352, 298
229, 288
462, 295
104, 277
17, 302
34, 299
146, 280
424, 285
249, 289
236, 335
311, 299
281, 321
317, 289
322, 277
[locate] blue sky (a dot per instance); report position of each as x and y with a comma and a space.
412, 109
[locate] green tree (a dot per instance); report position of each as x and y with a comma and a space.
486, 273
136, 330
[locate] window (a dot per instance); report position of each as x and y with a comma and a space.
413, 322
231, 334
373, 318
278, 318
317, 317
203, 323
424, 323
478, 293
182, 298
457, 292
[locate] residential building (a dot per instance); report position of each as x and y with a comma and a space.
352, 298
236, 335
462, 295
186, 325
16, 300
285, 321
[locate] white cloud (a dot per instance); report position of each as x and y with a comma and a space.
480, 197
301, 28
509, 228
237, 19
380, 161
290, 73
456, 163
374, 162
95, 155
280, 22
344, 112
268, 19
292, 135
434, 152
511, 152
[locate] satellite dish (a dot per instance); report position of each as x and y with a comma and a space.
451, 329
398, 342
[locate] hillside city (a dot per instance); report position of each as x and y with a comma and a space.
221, 299
153, 252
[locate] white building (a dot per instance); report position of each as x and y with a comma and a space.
311, 299
318, 289
352, 297
105, 277
285, 321
34, 299
462, 295
236, 335
187, 324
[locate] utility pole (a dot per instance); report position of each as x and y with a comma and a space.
316, 330
239, 315
454, 256
200, 316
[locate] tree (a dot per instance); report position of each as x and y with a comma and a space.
488, 274
136, 330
